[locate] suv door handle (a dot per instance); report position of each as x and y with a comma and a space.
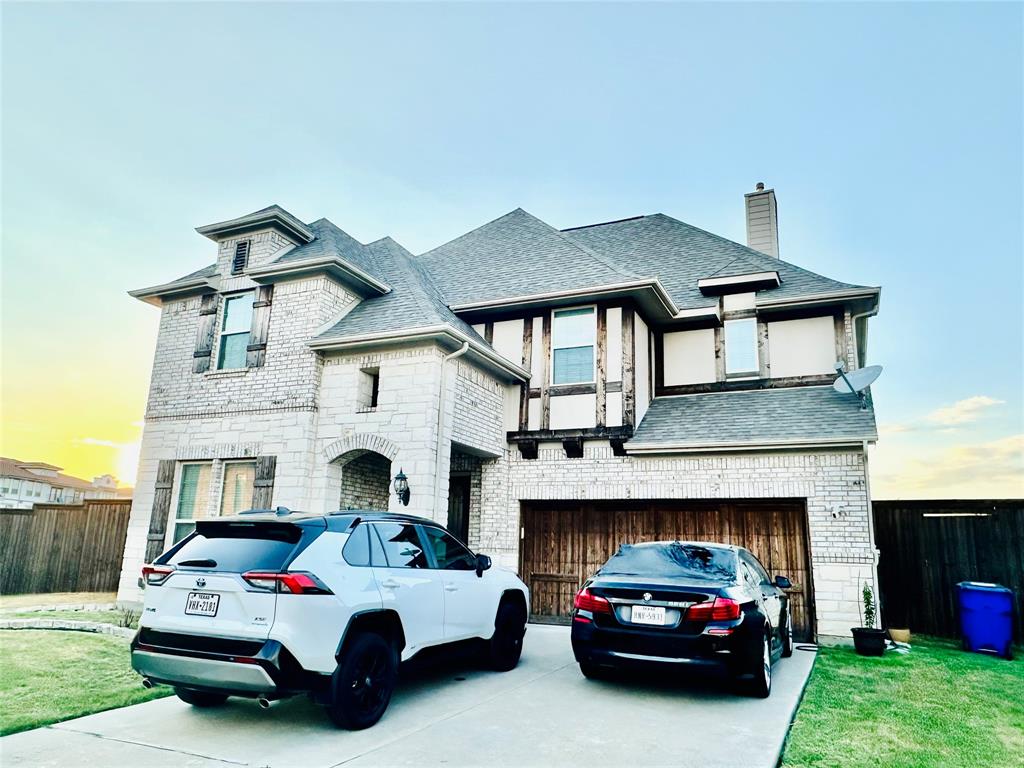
450, 588
390, 584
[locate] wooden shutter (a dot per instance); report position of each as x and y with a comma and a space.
207, 330
256, 352
263, 482
161, 509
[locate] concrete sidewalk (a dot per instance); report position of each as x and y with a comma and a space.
542, 713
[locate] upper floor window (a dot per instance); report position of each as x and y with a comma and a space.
234, 333
241, 259
741, 347
572, 343
368, 390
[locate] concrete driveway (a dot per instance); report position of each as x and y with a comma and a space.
542, 713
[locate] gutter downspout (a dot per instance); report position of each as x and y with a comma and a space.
875, 555
440, 424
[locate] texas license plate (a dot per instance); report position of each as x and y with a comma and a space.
648, 614
202, 604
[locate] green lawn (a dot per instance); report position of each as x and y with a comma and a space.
936, 706
104, 617
47, 676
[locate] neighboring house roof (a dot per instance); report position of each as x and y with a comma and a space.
17, 469
761, 417
517, 255
679, 255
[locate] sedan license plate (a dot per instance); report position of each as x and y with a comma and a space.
202, 604
648, 614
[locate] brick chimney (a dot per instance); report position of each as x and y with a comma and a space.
762, 220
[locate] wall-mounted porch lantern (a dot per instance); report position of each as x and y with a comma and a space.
402, 488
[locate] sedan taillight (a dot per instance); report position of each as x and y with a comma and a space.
297, 583
154, 575
587, 601
719, 609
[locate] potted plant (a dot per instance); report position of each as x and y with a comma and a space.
867, 640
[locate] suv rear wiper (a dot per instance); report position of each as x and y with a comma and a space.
199, 563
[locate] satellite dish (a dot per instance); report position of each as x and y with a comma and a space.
856, 382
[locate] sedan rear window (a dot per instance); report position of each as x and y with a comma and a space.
237, 547
673, 559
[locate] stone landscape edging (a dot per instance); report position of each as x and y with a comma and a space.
65, 624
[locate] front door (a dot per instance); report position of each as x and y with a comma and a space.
458, 507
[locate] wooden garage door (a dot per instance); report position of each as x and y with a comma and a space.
566, 542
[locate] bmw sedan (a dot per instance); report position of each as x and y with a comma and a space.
684, 604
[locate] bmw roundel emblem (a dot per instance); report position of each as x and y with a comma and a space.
200, 582
647, 597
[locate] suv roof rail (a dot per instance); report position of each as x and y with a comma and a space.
279, 511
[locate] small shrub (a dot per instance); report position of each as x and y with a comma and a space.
127, 618
869, 606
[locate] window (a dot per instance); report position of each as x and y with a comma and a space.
756, 569
673, 559
54, 494
237, 548
357, 549
368, 389
234, 333
450, 555
236, 495
572, 342
241, 260
193, 493
741, 346
402, 546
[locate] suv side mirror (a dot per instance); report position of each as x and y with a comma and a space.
483, 562
783, 582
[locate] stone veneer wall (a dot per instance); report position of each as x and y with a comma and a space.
833, 482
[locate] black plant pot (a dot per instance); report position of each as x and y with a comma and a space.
868, 641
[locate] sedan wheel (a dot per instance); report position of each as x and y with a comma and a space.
787, 637
761, 685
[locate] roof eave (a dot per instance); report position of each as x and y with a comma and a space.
363, 283
749, 281
657, 300
278, 219
633, 447
157, 294
871, 294
480, 351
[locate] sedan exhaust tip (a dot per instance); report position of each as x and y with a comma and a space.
264, 703
147, 683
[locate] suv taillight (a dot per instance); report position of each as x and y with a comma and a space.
153, 575
587, 601
719, 609
295, 583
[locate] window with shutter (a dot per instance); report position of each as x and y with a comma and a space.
241, 260
235, 330
193, 494
236, 494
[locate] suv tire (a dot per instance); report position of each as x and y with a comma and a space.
200, 698
362, 684
506, 644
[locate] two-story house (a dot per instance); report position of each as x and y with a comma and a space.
547, 393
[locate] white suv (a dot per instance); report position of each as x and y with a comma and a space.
268, 604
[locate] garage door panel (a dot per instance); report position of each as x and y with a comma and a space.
566, 542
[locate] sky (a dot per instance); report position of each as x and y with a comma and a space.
892, 134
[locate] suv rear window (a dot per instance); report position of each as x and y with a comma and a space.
673, 559
237, 547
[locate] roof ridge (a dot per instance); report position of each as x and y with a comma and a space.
604, 223
579, 246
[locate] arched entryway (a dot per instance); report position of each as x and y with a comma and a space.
365, 480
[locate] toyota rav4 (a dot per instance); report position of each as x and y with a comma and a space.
269, 604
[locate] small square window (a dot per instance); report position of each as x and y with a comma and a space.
368, 389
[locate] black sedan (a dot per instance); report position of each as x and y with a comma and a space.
687, 604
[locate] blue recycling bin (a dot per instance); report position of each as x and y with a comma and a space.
986, 617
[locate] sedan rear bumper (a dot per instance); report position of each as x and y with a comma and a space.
192, 672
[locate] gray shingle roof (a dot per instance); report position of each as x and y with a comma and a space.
517, 255
755, 417
680, 254
331, 240
413, 302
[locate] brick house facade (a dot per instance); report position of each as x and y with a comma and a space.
618, 381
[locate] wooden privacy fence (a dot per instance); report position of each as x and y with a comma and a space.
63, 547
927, 547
